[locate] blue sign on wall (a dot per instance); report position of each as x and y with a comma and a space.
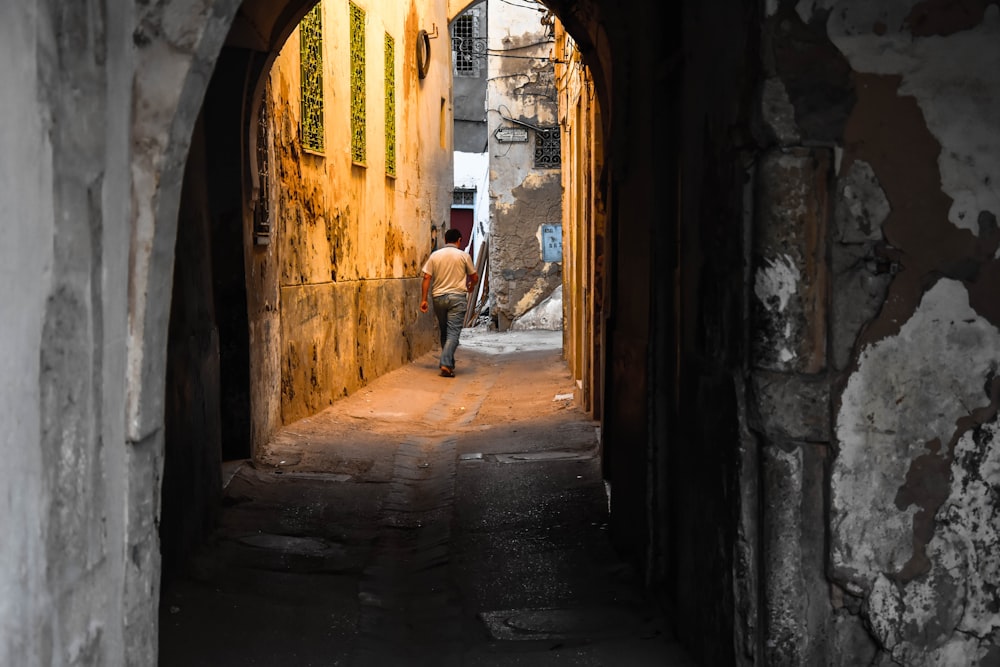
551, 243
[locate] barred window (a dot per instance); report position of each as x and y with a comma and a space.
311, 79
464, 197
390, 105
547, 153
466, 46
359, 153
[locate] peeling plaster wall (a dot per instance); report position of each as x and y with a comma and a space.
883, 353
522, 196
351, 240
951, 70
924, 550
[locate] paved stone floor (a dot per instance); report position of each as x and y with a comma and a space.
423, 521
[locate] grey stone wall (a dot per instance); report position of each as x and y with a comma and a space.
874, 347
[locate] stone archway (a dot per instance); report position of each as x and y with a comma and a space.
177, 46
173, 67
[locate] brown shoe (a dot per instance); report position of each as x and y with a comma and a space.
447, 372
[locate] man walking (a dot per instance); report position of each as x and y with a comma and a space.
454, 275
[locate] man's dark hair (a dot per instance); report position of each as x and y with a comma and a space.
452, 236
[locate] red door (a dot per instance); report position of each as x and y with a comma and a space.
461, 219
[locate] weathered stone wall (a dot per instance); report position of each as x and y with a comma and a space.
523, 197
876, 336
351, 240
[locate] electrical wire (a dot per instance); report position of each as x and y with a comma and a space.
533, 4
525, 46
507, 118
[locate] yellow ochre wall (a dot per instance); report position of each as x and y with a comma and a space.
349, 239
583, 275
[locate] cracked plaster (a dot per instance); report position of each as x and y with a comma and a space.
888, 418
947, 75
955, 607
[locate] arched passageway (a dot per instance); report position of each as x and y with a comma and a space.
798, 336
641, 337
232, 102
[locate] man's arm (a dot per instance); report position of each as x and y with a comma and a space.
424, 286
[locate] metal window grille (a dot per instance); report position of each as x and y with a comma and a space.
262, 207
390, 105
464, 197
467, 47
358, 112
547, 153
311, 79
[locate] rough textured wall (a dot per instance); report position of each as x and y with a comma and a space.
351, 240
523, 197
892, 114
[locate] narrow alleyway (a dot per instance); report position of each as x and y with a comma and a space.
422, 521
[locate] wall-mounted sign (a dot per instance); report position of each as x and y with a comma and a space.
551, 243
511, 135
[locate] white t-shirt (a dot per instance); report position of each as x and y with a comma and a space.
448, 267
